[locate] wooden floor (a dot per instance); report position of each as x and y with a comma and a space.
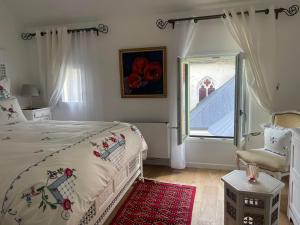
209, 201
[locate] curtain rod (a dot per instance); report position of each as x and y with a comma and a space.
291, 11
102, 28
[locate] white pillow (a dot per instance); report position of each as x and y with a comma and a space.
4, 88
278, 140
10, 111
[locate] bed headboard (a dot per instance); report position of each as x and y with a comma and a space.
287, 119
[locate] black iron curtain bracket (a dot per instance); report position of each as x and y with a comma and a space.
162, 24
101, 28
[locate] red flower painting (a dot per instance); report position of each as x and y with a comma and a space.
134, 81
153, 72
139, 65
143, 72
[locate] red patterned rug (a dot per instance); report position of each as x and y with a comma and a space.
157, 203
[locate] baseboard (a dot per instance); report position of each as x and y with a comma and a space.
157, 162
212, 166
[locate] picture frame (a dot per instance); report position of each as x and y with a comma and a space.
143, 72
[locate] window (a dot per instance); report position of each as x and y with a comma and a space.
211, 98
72, 89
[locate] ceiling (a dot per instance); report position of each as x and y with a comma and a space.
46, 12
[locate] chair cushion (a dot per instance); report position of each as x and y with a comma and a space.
263, 159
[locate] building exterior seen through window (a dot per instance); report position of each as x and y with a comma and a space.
212, 96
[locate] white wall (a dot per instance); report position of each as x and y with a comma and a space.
142, 32
288, 66
209, 153
11, 42
123, 33
130, 33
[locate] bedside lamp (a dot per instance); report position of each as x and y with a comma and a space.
30, 91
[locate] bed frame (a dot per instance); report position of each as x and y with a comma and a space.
104, 205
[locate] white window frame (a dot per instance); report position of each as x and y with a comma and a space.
240, 119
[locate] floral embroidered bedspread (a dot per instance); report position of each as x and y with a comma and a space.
52, 171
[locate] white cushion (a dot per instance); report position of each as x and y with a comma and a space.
4, 88
10, 111
264, 160
278, 140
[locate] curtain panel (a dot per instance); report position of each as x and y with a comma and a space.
81, 79
256, 36
66, 66
184, 39
53, 49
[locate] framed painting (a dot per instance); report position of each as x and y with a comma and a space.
143, 72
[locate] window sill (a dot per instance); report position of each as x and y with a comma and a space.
209, 140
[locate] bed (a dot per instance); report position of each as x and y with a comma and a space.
59, 172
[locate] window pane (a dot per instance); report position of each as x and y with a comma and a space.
212, 96
72, 90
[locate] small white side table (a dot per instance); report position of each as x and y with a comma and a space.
251, 204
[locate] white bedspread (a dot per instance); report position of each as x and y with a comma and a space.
52, 171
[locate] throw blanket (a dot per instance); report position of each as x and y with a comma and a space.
52, 171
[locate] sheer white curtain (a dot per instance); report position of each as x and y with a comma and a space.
78, 101
53, 49
185, 35
255, 34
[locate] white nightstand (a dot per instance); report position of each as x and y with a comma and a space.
37, 113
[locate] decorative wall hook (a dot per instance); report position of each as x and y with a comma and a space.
161, 24
291, 11
27, 36
103, 28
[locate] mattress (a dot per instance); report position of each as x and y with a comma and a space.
52, 171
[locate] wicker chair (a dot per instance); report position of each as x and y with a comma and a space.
273, 164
